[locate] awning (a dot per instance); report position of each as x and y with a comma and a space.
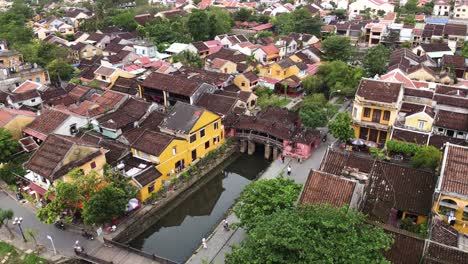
41, 191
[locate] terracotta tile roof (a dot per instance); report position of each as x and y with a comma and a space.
379, 91
451, 120
200, 46
228, 54
28, 95
410, 136
216, 103
392, 186
398, 76
125, 116
126, 85
105, 71
153, 120
147, 176
252, 77
270, 49
406, 248
436, 254
48, 160
262, 27
171, 83
143, 18
324, 188
151, 142
443, 232
27, 86
419, 93
435, 47
8, 114
217, 63
454, 176
451, 100
47, 122
455, 60
98, 104
335, 161
439, 141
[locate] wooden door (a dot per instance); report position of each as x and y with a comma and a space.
373, 135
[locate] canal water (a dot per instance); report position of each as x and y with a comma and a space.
180, 232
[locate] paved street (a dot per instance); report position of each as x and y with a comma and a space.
64, 240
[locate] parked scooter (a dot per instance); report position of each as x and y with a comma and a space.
87, 235
59, 224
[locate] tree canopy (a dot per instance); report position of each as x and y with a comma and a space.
332, 77
376, 60
298, 21
341, 127
13, 22
8, 145
264, 197
313, 115
427, 156
312, 234
337, 48
98, 209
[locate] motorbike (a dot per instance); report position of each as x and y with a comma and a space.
87, 235
59, 225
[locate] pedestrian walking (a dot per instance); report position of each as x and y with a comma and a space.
226, 225
282, 159
289, 170
205, 246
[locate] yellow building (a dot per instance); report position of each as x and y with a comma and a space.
222, 66
246, 81
58, 155
375, 110
187, 134
15, 120
10, 58
451, 192
279, 70
108, 75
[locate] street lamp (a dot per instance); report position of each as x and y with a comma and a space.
18, 221
53, 246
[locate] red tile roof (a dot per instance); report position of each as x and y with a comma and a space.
262, 27
454, 176
46, 123
379, 91
325, 188
7, 114
270, 49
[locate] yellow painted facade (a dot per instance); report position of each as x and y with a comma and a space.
378, 121
243, 83
419, 121
17, 124
459, 206
228, 67
181, 151
276, 72
11, 60
78, 152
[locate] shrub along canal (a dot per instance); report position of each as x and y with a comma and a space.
176, 235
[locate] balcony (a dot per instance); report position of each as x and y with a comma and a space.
370, 124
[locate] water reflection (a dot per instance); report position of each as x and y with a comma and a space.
179, 233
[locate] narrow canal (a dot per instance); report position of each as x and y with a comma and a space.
180, 232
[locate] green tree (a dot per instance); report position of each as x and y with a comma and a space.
8, 145
410, 20
220, 22
199, 25
392, 39
312, 115
334, 76
13, 24
406, 44
298, 21
98, 209
341, 128
67, 197
242, 14
43, 53
5, 216
338, 48
188, 59
264, 197
310, 235
376, 60
125, 20
426, 156
10, 171
263, 34
60, 70
464, 51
